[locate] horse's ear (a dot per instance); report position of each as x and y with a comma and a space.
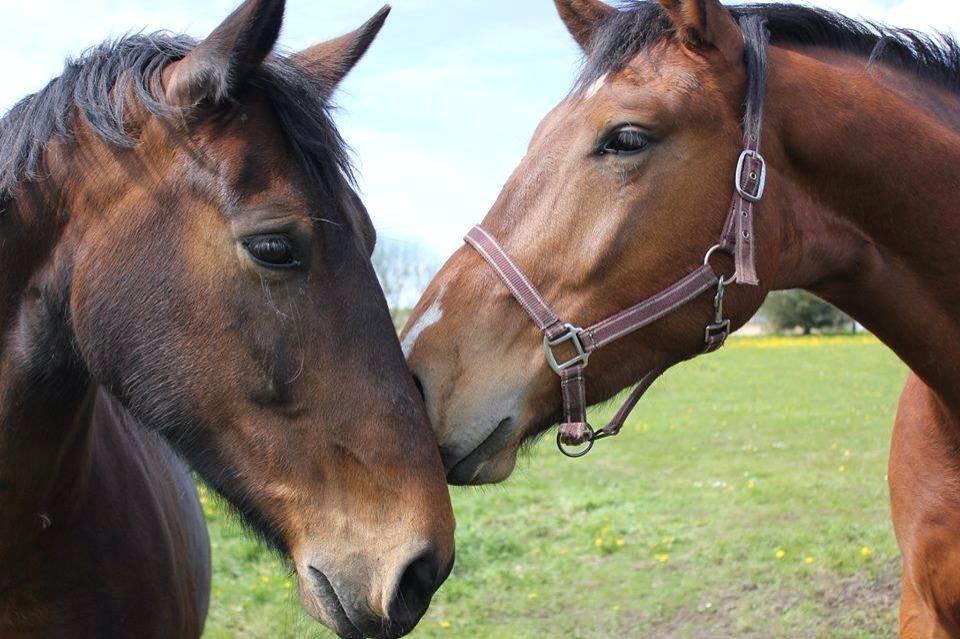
704, 25
582, 18
219, 64
332, 60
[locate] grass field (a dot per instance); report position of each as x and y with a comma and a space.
746, 498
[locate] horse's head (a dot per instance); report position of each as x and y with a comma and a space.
215, 262
625, 186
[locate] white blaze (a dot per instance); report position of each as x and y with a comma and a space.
429, 317
595, 87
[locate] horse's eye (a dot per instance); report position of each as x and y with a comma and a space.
273, 251
626, 141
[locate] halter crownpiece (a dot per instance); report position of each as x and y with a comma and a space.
737, 240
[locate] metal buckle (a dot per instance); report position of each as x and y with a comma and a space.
715, 331
749, 154
573, 336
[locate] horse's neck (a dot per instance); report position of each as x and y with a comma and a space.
45, 394
45, 446
871, 203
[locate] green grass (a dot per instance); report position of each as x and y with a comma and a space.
746, 498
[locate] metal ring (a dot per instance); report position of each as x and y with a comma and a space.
726, 281
572, 453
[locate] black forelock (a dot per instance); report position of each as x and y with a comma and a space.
642, 23
96, 85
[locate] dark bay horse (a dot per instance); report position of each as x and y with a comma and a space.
186, 273
627, 184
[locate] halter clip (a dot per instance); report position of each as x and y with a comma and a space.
572, 335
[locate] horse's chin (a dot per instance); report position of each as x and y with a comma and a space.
475, 471
495, 459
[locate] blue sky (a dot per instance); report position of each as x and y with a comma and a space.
438, 113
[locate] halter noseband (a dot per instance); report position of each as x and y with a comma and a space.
736, 239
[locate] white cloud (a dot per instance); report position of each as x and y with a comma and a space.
412, 192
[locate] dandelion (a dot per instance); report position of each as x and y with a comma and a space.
808, 560
780, 554
833, 446
865, 552
288, 584
265, 579
662, 558
842, 468
667, 539
621, 543
846, 453
445, 624
532, 595
598, 542
750, 485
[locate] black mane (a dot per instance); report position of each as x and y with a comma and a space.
642, 23
91, 86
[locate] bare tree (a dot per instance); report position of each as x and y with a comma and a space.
404, 267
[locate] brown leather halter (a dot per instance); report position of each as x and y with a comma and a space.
736, 239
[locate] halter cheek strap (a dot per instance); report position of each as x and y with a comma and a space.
737, 239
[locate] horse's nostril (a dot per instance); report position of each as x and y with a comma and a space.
420, 579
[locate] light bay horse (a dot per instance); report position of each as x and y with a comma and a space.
840, 144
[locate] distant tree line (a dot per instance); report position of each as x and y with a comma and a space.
405, 268
791, 310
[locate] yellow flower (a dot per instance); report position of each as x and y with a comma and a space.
667, 539
620, 543
781, 553
833, 446
843, 468
597, 542
846, 453
532, 595
288, 583
445, 624
750, 485
865, 552
662, 558
808, 560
